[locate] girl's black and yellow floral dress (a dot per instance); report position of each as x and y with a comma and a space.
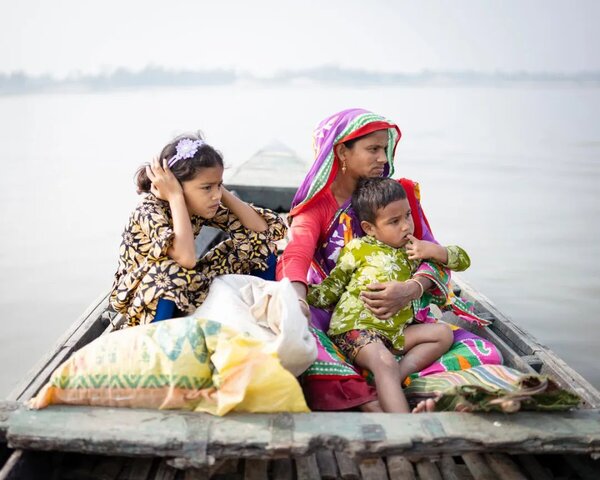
146, 274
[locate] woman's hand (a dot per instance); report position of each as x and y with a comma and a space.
300, 290
388, 298
164, 184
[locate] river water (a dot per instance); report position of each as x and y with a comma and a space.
509, 173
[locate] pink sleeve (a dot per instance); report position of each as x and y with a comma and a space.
303, 237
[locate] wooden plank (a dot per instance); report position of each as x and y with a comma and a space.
255, 469
533, 467
400, 468
448, 468
568, 378
373, 469
347, 466
504, 467
585, 467
12, 466
307, 467
427, 470
463, 472
183, 436
283, 469
225, 466
24, 465
165, 472
511, 359
108, 468
327, 464
533, 361
6, 409
140, 468
195, 474
478, 467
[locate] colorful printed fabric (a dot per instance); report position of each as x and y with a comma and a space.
491, 388
468, 350
146, 274
331, 382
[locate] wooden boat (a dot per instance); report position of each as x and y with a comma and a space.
107, 443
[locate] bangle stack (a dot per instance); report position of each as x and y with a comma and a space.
420, 286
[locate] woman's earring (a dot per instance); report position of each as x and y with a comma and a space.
343, 166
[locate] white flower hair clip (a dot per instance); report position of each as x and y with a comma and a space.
185, 148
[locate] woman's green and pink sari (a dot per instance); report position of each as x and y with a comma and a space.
332, 383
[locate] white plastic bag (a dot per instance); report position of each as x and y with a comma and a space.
266, 310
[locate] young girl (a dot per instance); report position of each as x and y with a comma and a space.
159, 275
388, 252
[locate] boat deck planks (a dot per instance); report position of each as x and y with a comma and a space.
191, 440
77, 466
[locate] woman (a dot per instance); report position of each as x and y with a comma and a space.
349, 145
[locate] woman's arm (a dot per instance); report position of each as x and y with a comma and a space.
388, 298
330, 290
249, 217
166, 187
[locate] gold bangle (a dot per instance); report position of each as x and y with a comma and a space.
302, 300
419, 284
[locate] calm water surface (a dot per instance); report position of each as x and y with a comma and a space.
510, 174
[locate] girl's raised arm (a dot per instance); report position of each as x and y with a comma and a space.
249, 217
166, 187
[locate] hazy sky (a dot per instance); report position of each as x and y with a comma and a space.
67, 36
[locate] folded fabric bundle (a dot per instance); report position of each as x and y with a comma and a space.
488, 388
186, 363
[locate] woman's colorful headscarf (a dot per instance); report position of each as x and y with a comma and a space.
341, 127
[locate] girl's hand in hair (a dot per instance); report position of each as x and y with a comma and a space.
164, 184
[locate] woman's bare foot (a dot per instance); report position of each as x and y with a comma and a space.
371, 407
425, 406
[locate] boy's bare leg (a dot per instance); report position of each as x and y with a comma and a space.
371, 407
424, 344
379, 360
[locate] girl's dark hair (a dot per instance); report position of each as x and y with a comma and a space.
184, 169
371, 194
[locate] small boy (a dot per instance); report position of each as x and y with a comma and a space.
388, 252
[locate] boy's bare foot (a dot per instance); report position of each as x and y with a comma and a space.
425, 406
372, 407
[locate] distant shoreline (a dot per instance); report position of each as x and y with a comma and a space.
152, 77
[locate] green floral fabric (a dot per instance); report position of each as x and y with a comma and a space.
363, 261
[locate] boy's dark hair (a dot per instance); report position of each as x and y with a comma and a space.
371, 194
185, 169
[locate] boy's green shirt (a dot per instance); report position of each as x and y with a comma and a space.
363, 261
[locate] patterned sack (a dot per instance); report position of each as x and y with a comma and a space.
491, 388
184, 363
